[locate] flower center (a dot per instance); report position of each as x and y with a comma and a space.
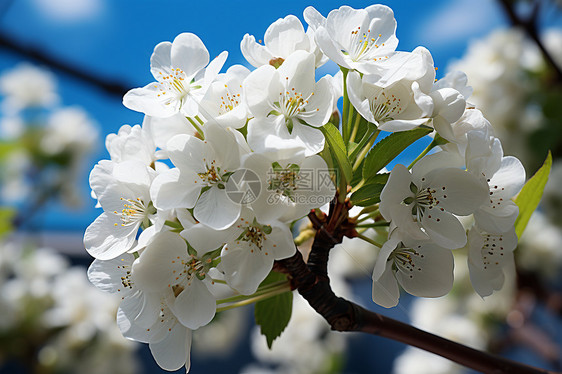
254, 233
423, 199
404, 259
213, 175
134, 211
174, 86
292, 104
229, 101
362, 45
126, 280
385, 108
492, 250
284, 181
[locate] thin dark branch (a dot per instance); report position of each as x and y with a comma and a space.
530, 27
312, 282
108, 85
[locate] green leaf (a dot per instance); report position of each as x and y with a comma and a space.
370, 193
7, 147
274, 314
530, 195
337, 146
367, 195
6, 217
388, 148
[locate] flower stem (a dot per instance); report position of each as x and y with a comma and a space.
355, 127
261, 291
365, 150
197, 127
304, 236
374, 224
434, 143
344, 124
369, 240
253, 299
369, 215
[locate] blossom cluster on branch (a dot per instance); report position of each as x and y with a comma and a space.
42, 143
201, 200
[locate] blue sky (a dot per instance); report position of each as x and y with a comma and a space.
114, 39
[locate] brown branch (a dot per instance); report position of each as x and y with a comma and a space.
312, 282
41, 57
530, 27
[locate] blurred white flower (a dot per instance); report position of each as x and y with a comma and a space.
27, 86
69, 129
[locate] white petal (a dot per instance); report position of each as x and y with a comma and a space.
214, 67
285, 35
189, 53
357, 97
279, 244
174, 351
257, 90
101, 176
160, 61
106, 238
215, 209
448, 104
397, 188
497, 220
401, 216
431, 273
245, 267
485, 282
401, 125
444, 229
106, 275
385, 289
255, 53
382, 257
145, 99
162, 130
326, 44
313, 17
160, 262
319, 107
128, 310
435, 161
457, 191
205, 239
510, 177
311, 138
298, 71
171, 190
270, 135
195, 306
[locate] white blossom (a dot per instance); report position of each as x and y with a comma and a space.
183, 74
282, 38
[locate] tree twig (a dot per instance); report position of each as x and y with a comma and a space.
108, 85
312, 282
530, 27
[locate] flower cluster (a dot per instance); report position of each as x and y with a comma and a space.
43, 143
198, 202
54, 319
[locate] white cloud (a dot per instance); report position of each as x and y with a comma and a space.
70, 10
459, 20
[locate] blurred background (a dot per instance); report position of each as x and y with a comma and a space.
64, 67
